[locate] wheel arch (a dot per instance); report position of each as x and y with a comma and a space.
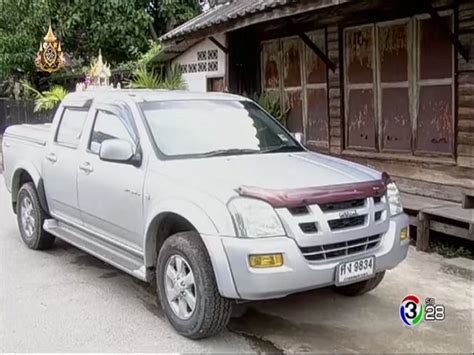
172, 217
22, 175
196, 220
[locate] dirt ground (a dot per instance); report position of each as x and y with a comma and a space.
64, 300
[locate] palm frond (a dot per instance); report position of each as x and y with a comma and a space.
174, 79
144, 78
46, 100
26, 85
271, 103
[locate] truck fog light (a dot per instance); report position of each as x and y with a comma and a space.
265, 260
404, 233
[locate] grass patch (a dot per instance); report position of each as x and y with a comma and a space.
451, 247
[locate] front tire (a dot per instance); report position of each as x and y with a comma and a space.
187, 287
30, 217
359, 288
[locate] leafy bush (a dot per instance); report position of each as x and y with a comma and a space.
173, 79
46, 100
147, 58
271, 103
144, 78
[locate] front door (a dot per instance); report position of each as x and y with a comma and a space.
60, 166
110, 193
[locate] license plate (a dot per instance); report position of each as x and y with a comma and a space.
354, 271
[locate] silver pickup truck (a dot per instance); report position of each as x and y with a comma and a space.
204, 194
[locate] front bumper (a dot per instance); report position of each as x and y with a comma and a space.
236, 279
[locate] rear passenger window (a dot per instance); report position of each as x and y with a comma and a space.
70, 127
107, 126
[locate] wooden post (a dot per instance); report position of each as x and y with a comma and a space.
423, 232
219, 45
317, 51
447, 31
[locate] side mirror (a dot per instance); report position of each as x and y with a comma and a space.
116, 150
299, 137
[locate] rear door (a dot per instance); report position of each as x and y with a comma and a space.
111, 193
61, 162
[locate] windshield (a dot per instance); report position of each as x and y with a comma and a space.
204, 128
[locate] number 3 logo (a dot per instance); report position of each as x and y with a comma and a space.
411, 310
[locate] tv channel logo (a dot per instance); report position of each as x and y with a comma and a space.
413, 311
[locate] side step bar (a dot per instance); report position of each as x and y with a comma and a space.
98, 247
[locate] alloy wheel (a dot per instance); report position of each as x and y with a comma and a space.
180, 287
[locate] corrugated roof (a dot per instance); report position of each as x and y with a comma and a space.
234, 10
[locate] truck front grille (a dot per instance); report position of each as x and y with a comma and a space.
335, 250
341, 223
336, 206
309, 227
298, 211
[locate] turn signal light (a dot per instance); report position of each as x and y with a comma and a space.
404, 233
266, 260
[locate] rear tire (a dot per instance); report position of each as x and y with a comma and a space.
211, 312
359, 288
30, 217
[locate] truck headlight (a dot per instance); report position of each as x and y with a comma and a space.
394, 199
254, 218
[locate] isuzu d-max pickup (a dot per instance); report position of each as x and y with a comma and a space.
205, 194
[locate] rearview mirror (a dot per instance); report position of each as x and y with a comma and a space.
116, 150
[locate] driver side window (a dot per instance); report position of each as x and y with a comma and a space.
107, 126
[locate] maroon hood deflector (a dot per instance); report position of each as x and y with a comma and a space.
315, 195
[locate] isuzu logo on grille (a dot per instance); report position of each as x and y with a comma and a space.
348, 213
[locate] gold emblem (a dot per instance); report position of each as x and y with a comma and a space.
49, 57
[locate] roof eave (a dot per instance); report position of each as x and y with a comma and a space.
254, 18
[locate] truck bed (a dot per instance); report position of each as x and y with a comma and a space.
34, 133
24, 145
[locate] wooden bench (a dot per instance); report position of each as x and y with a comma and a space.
429, 214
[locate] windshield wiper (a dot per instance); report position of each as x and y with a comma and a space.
226, 152
282, 148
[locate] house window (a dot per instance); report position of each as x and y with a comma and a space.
202, 66
212, 54
202, 55
399, 87
213, 66
293, 71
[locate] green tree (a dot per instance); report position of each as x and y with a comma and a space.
167, 14
121, 28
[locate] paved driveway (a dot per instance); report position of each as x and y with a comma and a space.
65, 300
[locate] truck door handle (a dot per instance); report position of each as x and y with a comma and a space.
86, 167
52, 158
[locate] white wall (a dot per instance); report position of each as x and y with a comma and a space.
193, 73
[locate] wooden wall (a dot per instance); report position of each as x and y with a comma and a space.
335, 91
433, 175
465, 87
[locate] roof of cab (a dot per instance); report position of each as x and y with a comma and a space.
82, 98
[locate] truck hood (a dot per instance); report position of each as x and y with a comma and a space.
221, 176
